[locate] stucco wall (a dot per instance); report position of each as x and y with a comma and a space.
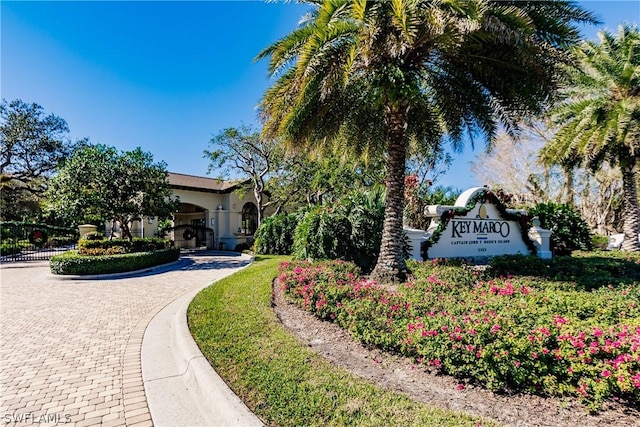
222, 213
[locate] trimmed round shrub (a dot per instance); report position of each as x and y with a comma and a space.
570, 231
93, 235
242, 247
275, 234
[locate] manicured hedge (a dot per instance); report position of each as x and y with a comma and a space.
73, 263
121, 246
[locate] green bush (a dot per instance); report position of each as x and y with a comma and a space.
570, 231
350, 230
584, 270
599, 242
108, 247
322, 234
275, 234
93, 235
72, 262
57, 241
8, 248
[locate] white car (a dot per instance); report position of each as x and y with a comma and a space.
615, 241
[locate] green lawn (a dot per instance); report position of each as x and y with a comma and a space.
280, 379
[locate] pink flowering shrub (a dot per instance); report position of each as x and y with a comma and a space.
505, 333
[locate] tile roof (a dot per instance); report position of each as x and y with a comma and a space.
200, 183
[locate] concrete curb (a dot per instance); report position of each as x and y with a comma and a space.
181, 386
125, 275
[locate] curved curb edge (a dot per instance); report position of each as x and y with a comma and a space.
181, 386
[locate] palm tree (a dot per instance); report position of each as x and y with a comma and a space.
379, 77
599, 121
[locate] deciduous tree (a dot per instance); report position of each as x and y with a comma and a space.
98, 183
32, 144
243, 151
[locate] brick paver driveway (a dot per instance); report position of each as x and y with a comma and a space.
70, 349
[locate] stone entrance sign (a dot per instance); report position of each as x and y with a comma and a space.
478, 225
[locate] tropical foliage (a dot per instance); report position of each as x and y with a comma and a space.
599, 121
569, 231
382, 76
308, 180
573, 335
275, 234
349, 229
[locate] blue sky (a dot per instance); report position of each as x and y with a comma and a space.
164, 76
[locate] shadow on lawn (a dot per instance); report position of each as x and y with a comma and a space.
587, 270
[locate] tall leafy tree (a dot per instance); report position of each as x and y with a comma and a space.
308, 180
242, 151
32, 144
377, 76
599, 121
98, 183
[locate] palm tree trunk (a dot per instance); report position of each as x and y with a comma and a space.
391, 266
631, 225
568, 190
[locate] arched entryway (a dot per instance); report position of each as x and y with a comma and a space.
249, 218
193, 218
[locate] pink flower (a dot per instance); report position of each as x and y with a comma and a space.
461, 386
636, 380
559, 321
534, 355
517, 363
582, 389
606, 373
495, 328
